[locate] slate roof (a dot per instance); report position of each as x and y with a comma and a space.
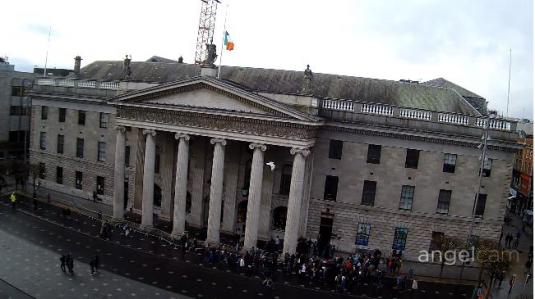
411, 95
441, 82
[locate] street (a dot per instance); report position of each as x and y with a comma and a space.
135, 266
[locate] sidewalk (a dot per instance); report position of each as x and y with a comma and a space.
518, 268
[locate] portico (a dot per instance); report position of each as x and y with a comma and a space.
214, 115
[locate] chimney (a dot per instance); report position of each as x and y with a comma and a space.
77, 64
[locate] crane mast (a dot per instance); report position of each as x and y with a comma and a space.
205, 34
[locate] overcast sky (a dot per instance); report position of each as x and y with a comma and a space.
466, 42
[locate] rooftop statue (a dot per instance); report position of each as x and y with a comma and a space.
211, 55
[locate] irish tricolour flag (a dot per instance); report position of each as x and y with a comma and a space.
229, 45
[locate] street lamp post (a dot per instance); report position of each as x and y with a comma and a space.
483, 147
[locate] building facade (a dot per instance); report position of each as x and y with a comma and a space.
357, 163
14, 111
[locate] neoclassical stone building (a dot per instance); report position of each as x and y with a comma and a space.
355, 162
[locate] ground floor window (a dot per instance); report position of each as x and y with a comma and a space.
363, 234
400, 238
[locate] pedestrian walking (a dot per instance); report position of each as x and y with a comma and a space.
414, 287
63, 260
70, 263
512, 283
13, 199
501, 276
92, 266
97, 263
515, 243
34, 201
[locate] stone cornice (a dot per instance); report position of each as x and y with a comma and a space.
448, 140
259, 127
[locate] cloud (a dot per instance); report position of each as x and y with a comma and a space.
466, 42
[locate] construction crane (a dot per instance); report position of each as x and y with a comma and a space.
205, 34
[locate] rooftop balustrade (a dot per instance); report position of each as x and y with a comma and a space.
77, 83
329, 105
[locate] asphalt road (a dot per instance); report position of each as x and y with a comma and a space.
157, 264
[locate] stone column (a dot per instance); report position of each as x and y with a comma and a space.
118, 181
181, 185
216, 192
294, 200
148, 180
255, 196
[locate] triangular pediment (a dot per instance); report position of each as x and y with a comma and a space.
208, 99
209, 94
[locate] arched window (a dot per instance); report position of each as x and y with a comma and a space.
157, 196
279, 218
286, 179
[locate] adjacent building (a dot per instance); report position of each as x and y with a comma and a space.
354, 162
14, 111
522, 182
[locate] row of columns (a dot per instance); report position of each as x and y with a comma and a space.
216, 189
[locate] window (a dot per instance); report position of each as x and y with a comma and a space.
42, 170
412, 158
286, 179
374, 154
157, 163
363, 234
407, 195
79, 147
59, 175
81, 117
436, 241
400, 238
368, 193
16, 91
331, 187
44, 112
444, 198
61, 143
13, 136
103, 120
101, 155
100, 185
487, 166
335, 149
449, 163
127, 156
78, 180
480, 207
247, 176
61, 115
17, 110
42, 141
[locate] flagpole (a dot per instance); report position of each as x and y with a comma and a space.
47, 45
222, 44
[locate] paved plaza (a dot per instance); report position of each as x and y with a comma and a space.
137, 265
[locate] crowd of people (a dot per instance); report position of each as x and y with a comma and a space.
309, 266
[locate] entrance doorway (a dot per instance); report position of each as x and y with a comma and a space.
324, 240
